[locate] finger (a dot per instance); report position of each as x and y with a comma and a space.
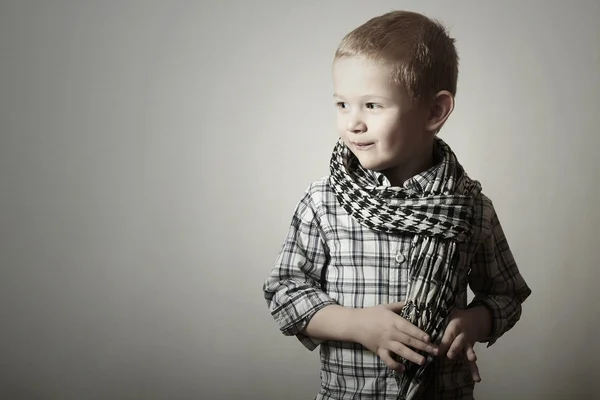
387, 359
406, 327
470, 353
413, 342
457, 347
449, 335
406, 352
475, 372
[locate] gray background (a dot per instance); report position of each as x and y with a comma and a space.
152, 153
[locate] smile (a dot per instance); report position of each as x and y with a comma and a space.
363, 146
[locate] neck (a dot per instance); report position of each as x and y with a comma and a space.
418, 163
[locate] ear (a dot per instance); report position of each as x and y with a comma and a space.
441, 108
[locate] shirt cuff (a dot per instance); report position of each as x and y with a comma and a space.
294, 316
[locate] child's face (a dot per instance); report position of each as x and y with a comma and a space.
376, 119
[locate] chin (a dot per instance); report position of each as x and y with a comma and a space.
373, 165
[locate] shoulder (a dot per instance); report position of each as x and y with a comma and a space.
318, 203
317, 195
485, 205
484, 214
320, 193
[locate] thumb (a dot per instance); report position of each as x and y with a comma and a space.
395, 307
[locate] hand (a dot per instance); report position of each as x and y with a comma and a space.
466, 327
381, 330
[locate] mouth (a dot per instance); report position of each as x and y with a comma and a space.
363, 146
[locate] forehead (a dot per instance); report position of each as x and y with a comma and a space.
357, 76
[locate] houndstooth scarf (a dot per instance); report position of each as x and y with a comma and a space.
440, 217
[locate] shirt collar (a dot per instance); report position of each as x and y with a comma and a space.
415, 184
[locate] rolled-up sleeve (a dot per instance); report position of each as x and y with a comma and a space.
496, 280
293, 290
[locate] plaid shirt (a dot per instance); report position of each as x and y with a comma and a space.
329, 258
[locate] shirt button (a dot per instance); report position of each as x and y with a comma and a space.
400, 258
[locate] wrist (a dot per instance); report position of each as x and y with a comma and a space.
483, 322
351, 324
333, 322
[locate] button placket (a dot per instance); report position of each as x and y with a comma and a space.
401, 260
396, 270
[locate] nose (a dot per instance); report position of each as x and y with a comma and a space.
355, 124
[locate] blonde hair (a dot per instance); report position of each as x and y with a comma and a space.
421, 54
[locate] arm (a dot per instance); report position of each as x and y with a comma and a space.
333, 322
301, 308
496, 282
293, 291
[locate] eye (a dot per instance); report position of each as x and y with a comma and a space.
373, 105
341, 104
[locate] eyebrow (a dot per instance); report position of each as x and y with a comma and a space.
365, 96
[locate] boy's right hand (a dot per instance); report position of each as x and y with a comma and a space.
381, 330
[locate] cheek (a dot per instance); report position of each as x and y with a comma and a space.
341, 125
388, 129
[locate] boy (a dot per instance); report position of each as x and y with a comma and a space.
379, 254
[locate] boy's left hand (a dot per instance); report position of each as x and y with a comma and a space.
466, 327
